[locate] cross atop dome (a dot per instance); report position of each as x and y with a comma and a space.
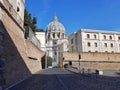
55, 19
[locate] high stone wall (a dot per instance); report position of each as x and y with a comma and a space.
17, 52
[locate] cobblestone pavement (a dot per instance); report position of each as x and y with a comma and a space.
60, 79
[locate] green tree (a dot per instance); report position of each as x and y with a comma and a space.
26, 18
29, 21
33, 24
34, 21
49, 61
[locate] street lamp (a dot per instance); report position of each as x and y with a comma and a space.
46, 59
79, 62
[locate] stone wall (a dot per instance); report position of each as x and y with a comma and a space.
93, 60
22, 58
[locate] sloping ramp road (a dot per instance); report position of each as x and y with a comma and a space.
60, 79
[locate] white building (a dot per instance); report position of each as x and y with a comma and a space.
55, 37
41, 37
86, 40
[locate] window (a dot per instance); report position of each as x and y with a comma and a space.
111, 45
18, 9
53, 35
88, 44
95, 44
119, 38
105, 44
104, 36
71, 41
88, 35
96, 51
54, 42
106, 51
55, 53
89, 51
95, 36
48, 36
112, 51
53, 28
72, 48
110, 37
63, 35
58, 35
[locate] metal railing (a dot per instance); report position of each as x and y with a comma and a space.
29, 34
92, 61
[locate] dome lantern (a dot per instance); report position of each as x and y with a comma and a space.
55, 19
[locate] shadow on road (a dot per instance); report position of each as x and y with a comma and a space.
60, 79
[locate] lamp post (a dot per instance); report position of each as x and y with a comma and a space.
46, 59
79, 62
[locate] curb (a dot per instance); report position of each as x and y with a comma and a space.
72, 71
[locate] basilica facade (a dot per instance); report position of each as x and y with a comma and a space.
56, 40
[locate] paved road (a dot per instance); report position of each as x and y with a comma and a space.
60, 79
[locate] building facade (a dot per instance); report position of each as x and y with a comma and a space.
15, 8
55, 37
19, 6
86, 40
41, 37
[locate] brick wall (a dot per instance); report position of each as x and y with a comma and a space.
94, 60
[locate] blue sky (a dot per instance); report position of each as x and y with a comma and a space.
77, 14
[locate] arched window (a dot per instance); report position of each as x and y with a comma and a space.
53, 35
58, 35
95, 36
110, 37
88, 35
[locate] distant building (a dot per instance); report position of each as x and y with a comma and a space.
55, 37
41, 37
87, 40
